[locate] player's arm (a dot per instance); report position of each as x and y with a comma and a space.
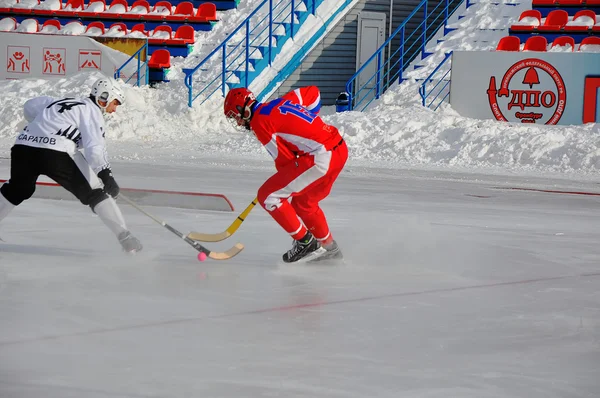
93, 146
309, 97
34, 107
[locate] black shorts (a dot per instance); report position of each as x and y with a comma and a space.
28, 163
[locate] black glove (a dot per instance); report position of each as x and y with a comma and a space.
110, 185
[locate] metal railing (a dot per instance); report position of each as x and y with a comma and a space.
250, 48
440, 80
139, 71
365, 86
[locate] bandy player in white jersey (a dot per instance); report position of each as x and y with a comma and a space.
64, 140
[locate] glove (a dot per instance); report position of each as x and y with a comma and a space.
110, 185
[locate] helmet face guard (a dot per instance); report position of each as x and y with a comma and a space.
238, 106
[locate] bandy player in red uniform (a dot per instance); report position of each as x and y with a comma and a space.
309, 155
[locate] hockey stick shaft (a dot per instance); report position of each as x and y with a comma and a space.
214, 255
206, 237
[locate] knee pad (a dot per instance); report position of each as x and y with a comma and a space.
17, 193
96, 196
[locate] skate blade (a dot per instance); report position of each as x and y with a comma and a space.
328, 258
311, 256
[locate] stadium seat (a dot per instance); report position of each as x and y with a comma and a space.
582, 21
185, 33
117, 7
184, 8
70, 8
140, 27
118, 29
140, 7
160, 59
536, 43
26, 4
95, 29
528, 21
563, 41
162, 8
28, 25
94, 8
47, 7
207, 11
163, 32
590, 41
544, 2
8, 24
509, 43
51, 26
555, 20
72, 28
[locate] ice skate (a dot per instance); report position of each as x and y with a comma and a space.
332, 253
304, 250
129, 242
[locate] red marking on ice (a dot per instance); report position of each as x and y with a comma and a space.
295, 307
552, 191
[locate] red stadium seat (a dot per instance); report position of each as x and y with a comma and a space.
69, 8
163, 28
555, 20
536, 43
186, 33
569, 2
509, 43
207, 11
582, 21
590, 3
117, 27
163, 8
140, 27
160, 58
48, 7
528, 21
544, 2
140, 7
50, 26
589, 41
28, 25
94, 8
118, 7
184, 8
564, 41
95, 29
8, 24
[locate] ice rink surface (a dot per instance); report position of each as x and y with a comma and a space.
453, 287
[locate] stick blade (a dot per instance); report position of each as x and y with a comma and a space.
202, 237
226, 255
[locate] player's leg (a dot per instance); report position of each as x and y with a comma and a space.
23, 176
306, 203
273, 196
77, 177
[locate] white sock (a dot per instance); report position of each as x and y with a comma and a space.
111, 215
5, 207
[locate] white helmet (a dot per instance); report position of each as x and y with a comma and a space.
107, 90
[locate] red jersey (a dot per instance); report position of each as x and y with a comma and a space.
287, 129
309, 97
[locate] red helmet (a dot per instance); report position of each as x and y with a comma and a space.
238, 105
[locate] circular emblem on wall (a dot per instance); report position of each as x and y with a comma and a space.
531, 91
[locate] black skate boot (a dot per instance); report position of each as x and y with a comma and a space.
129, 242
304, 249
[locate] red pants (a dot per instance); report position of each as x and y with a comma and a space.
307, 181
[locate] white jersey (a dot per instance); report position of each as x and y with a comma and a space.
66, 125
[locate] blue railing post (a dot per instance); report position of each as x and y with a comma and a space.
292, 20
446, 12
270, 32
424, 29
223, 66
401, 51
247, 51
378, 80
